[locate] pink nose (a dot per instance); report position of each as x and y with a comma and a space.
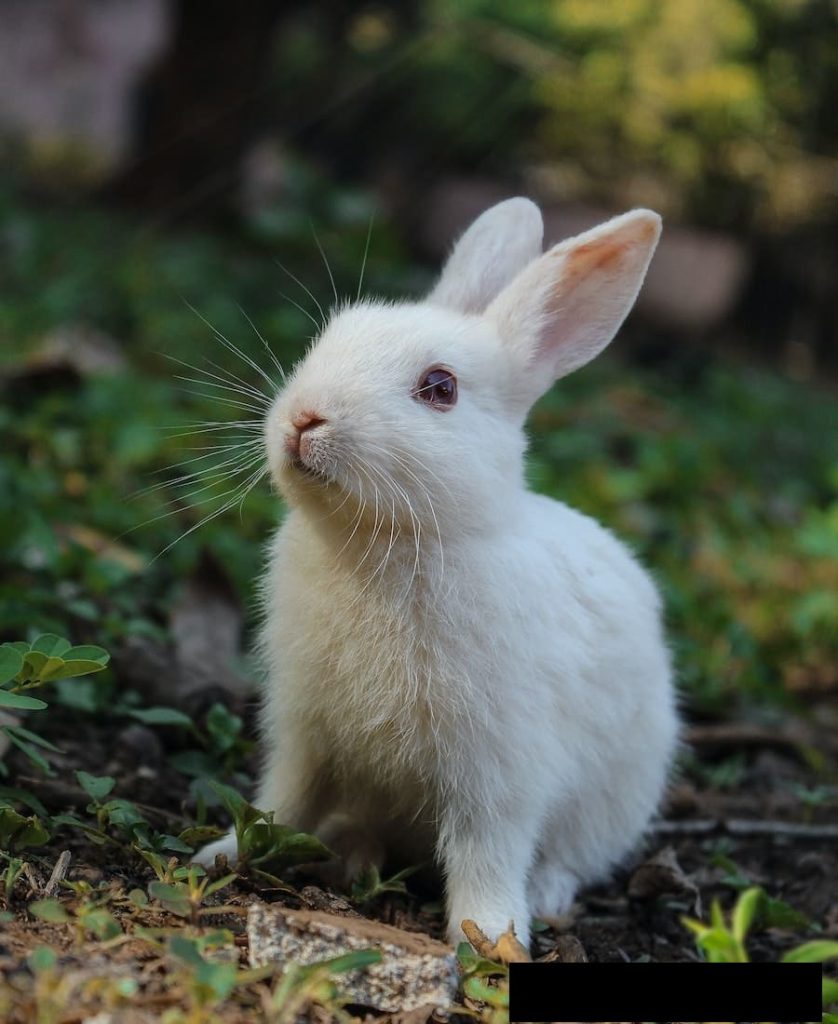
302, 422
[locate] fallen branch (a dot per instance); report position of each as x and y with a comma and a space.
745, 827
743, 736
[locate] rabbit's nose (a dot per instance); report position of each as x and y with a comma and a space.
303, 422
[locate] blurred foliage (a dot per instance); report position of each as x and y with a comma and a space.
720, 111
724, 477
717, 112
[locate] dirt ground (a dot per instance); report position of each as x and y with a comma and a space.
756, 804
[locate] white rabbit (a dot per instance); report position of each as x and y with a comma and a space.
456, 664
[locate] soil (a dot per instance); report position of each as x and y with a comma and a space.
757, 805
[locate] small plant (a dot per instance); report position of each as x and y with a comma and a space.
88, 915
8, 879
207, 982
485, 984
723, 941
369, 885
17, 831
187, 889
260, 841
813, 797
25, 667
772, 912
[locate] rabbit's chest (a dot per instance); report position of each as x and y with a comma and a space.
380, 687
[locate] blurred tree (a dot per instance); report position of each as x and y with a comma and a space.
195, 112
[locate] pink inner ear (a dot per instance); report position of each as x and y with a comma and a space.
605, 255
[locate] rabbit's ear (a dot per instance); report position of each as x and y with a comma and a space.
563, 309
497, 246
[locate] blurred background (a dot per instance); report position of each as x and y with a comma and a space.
172, 170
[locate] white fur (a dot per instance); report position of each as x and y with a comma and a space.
456, 664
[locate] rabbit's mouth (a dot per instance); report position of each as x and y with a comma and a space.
311, 472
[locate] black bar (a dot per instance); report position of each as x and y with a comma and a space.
664, 992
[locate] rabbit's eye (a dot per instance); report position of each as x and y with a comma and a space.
438, 388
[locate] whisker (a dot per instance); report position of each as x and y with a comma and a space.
233, 348
210, 426
232, 402
308, 292
234, 376
222, 387
250, 484
264, 341
209, 473
325, 260
364, 261
317, 326
187, 501
228, 380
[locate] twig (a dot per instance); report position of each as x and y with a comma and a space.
59, 873
745, 827
507, 949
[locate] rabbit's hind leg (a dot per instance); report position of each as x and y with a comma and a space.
357, 844
552, 888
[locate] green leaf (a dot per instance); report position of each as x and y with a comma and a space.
97, 787
88, 652
351, 961
95, 835
829, 994
776, 913
42, 959
11, 794
812, 952
33, 737
35, 660
195, 763
263, 843
31, 752
720, 947
175, 898
220, 979
745, 911
242, 813
219, 883
51, 645
175, 844
185, 950
17, 832
11, 663
123, 814
48, 669
20, 701
102, 923
479, 990
223, 726
161, 716
49, 910
56, 669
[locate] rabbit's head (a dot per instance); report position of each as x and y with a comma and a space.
412, 414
